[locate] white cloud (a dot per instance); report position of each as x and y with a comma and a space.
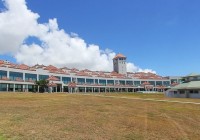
18, 23
133, 68
146, 70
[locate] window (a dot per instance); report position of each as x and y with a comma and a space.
30, 77
166, 83
116, 81
122, 82
137, 83
43, 77
193, 91
174, 81
152, 82
16, 76
129, 83
3, 87
182, 92
90, 81
102, 82
96, 81
110, 82
159, 83
3, 74
18, 87
66, 80
80, 80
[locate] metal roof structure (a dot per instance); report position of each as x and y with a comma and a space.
189, 85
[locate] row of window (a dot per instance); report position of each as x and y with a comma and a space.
18, 87
121, 82
66, 80
122, 58
197, 78
176, 80
184, 92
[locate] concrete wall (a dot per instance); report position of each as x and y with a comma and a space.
194, 95
171, 94
120, 66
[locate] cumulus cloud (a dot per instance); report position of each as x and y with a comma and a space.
133, 68
18, 24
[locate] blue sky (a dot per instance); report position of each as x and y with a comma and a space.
163, 35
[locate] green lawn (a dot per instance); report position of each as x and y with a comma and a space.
75, 116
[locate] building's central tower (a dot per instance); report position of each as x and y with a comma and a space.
119, 64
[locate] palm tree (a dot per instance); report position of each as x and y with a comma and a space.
42, 84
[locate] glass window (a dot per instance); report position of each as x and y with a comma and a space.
90, 81
137, 83
10, 87
74, 80
30, 77
96, 81
166, 83
116, 82
66, 80
3, 87
110, 82
80, 80
129, 83
102, 82
30, 86
18, 87
182, 92
174, 81
3, 74
16, 76
195, 91
43, 77
152, 82
122, 82
159, 83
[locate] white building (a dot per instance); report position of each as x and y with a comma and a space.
20, 77
190, 88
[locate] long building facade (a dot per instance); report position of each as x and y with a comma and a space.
21, 78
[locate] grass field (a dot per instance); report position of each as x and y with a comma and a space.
75, 116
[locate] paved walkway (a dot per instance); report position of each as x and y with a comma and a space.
148, 99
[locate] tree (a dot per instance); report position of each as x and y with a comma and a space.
43, 84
